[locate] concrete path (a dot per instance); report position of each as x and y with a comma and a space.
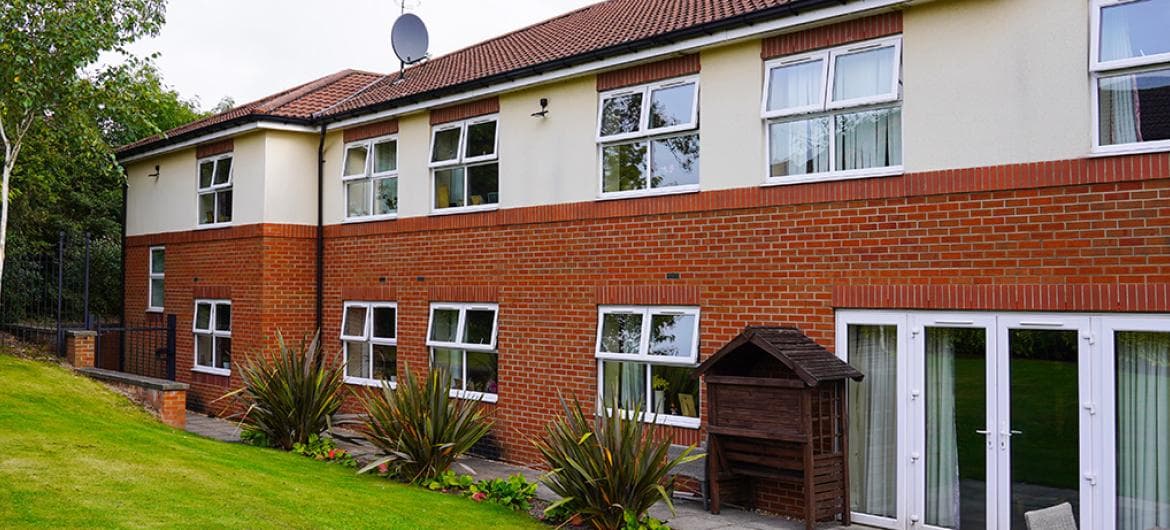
689, 515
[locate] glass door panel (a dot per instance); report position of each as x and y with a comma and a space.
873, 425
1142, 399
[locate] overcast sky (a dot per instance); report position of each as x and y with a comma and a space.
247, 49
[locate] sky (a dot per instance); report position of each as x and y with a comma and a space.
248, 49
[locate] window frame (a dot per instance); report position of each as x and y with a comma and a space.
151, 276
368, 338
827, 108
1103, 69
461, 160
644, 358
214, 189
369, 174
464, 347
212, 332
645, 134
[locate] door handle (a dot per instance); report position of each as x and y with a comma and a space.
1014, 432
981, 431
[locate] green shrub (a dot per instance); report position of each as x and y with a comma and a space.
515, 492
325, 449
291, 396
449, 481
420, 428
610, 468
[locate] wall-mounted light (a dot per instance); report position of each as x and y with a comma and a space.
543, 109
155, 174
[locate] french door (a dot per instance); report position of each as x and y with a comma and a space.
968, 420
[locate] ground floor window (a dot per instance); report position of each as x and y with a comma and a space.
213, 336
647, 356
462, 340
369, 339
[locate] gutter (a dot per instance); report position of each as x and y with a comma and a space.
198, 133
320, 295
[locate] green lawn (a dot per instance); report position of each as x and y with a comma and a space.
73, 454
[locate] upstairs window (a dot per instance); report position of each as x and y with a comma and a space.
1131, 74
369, 338
213, 336
157, 273
834, 113
648, 138
462, 339
215, 190
465, 169
370, 176
647, 356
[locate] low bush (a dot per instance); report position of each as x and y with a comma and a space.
609, 468
325, 449
420, 428
515, 492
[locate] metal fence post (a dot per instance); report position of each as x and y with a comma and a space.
85, 317
60, 290
172, 323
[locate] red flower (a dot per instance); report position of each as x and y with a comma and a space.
383, 468
332, 453
479, 496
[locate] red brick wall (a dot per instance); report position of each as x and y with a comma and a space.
463, 111
833, 35
649, 72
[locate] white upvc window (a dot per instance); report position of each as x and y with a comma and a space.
156, 289
835, 113
369, 338
215, 190
369, 173
212, 326
648, 139
648, 354
465, 168
462, 340
1129, 64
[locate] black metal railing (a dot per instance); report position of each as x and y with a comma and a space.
146, 350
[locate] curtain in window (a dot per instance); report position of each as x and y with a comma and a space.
1143, 430
1118, 96
863, 74
798, 85
942, 446
873, 426
869, 139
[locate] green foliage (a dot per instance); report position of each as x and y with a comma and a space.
449, 481
515, 492
253, 437
632, 522
421, 429
325, 449
292, 396
609, 465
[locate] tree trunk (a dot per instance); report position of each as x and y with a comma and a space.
12, 145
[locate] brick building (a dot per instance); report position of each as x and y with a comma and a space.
967, 201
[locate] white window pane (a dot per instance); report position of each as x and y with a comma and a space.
354, 321
203, 316
675, 391
478, 325
1134, 107
385, 362
444, 324
672, 335
223, 170
203, 350
864, 74
223, 206
481, 372
157, 260
206, 208
385, 196
873, 420
157, 292
357, 359
798, 147
481, 139
621, 332
623, 167
446, 145
385, 156
357, 198
223, 317
1135, 29
797, 85
674, 161
672, 105
223, 353
627, 380
451, 362
869, 139
449, 188
483, 184
355, 160
384, 322
206, 169
621, 114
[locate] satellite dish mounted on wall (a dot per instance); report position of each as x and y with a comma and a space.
409, 39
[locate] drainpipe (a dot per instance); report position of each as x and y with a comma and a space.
321, 230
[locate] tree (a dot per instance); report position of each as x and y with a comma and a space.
44, 44
225, 104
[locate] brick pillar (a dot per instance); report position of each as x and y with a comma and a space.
173, 408
79, 347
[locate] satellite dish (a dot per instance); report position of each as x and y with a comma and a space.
409, 38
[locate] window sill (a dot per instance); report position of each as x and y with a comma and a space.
476, 396
672, 420
213, 226
377, 383
1161, 146
154, 310
891, 171
370, 218
212, 371
633, 194
465, 209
